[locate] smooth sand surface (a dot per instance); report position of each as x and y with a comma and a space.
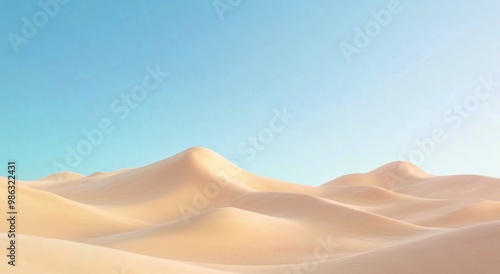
196, 212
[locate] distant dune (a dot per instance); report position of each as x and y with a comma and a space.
196, 212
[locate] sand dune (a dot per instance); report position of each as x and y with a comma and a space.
51, 256
196, 212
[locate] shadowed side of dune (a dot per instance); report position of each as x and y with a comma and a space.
48, 215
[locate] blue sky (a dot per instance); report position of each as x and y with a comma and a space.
231, 66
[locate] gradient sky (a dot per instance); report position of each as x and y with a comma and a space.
228, 75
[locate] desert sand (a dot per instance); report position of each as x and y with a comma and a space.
196, 212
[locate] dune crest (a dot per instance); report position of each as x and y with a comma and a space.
62, 176
196, 212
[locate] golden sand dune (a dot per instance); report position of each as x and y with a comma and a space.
196, 212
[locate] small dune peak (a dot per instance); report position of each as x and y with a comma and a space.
197, 160
401, 169
97, 174
389, 176
202, 154
199, 156
62, 176
198, 151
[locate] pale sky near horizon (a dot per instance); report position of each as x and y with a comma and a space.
428, 70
